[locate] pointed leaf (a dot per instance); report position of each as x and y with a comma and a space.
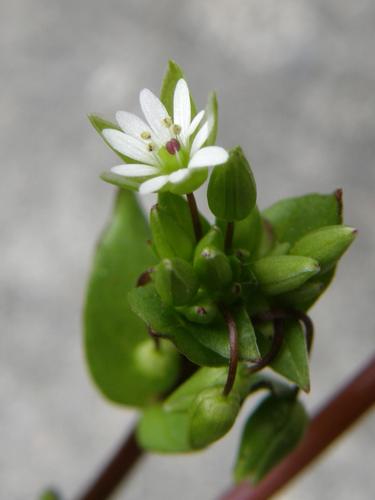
271, 432
292, 218
172, 75
212, 114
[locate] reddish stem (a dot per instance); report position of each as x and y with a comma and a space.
194, 216
233, 349
331, 421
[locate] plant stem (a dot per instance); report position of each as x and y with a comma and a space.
233, 346
349, 404
194, 216
122, 462
229, 236
277, 342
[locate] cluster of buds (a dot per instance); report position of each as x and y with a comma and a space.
229, 297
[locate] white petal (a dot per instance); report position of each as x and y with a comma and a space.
179, 175
131, 124
208, 157
196, 121
135, 170
129, 146
155, 113
181, 108
201, 137
154, 184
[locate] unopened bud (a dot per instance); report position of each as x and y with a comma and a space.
175, 281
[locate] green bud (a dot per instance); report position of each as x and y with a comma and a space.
170, 239
280, 274
158, 365
213, 268
214, 238
231, 190
175, 281
211, 416
204, 313
326, 245
50, 495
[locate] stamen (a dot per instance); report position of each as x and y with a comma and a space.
151, 146
145, 135
173, 146
167, 121
176, 129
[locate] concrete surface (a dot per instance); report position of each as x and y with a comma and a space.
296, 86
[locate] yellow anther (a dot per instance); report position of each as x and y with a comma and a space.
176, 129
151, 146
146, 135
167, 121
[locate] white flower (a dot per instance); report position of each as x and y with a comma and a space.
169, 152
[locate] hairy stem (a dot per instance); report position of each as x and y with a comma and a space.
342, 411
194, 216
233, 349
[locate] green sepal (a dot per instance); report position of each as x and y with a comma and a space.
211, 113
203, 312
213, 238
112, 331
49, 495
326, 245
175, 281
292, 361
270, 433
247, 232
170, 239
266, 241
100, 124
231, 190
280, 274
211, 416
146, 303
292, 218
171, 77
213, 268
120, 181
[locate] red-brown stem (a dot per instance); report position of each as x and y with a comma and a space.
344, 409
119, 466
194, 216
277, 342
233, 349
229, 236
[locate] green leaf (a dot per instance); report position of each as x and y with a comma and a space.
271, 433
112, 331
212, 114
231, 190
100, 124
164, 432
293, 360
247, 232
292, 218
146, 303
215, 336
172, 75
175, 281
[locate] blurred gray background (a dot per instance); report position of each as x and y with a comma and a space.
296, 83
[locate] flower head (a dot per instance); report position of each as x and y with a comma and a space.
169, 152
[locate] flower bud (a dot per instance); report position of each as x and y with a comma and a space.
214, 238
211, 416
326, 245
175, 281
284, 273
204, 313
169, 238
156, 366
305, 294
213, 268
231, 190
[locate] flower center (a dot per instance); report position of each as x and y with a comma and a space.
173, 146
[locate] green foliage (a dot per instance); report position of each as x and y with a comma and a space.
231, 191
271, 432
175, 281
112, 330
212, 114
292, 360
